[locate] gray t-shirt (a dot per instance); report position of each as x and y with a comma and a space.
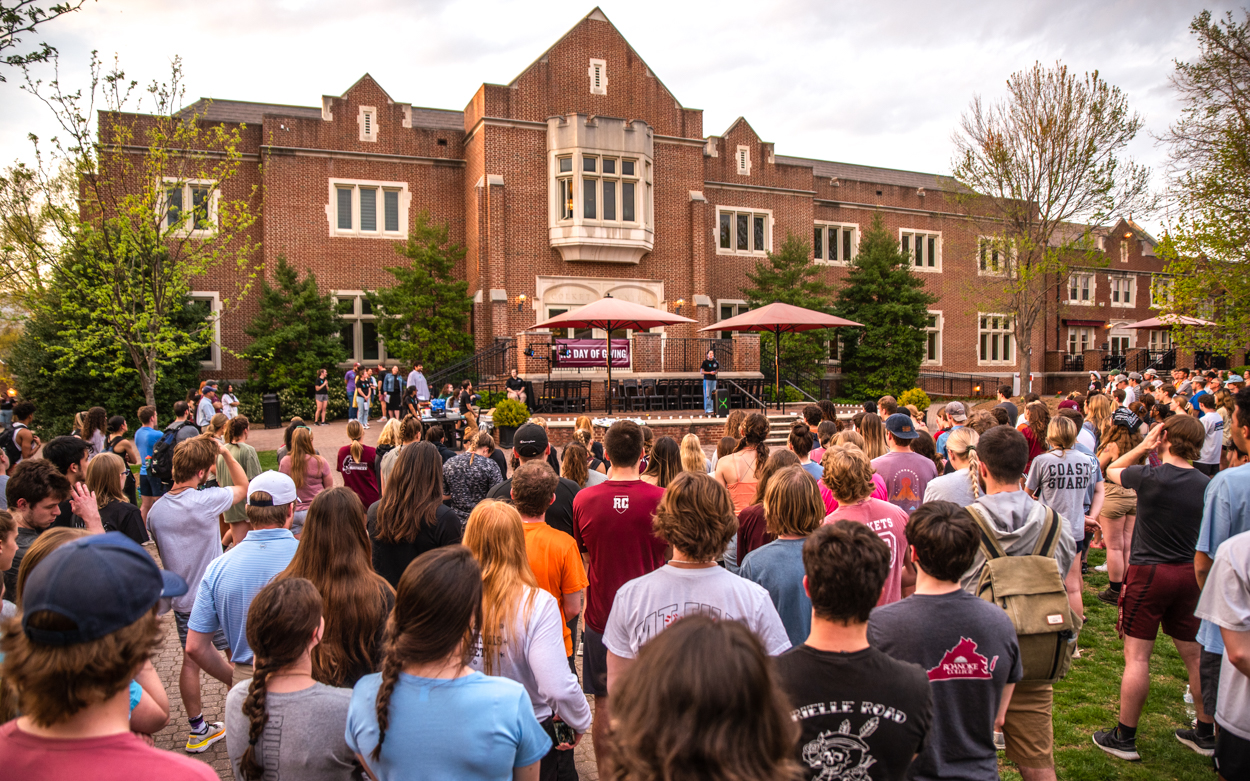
303, 738
184, 526
778, 567
595, 478
955, 487
1225, 602
968, 648
1060, 480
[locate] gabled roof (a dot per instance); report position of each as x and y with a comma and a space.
214, 110
869, 173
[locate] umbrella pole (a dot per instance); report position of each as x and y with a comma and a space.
607, 396
777, 366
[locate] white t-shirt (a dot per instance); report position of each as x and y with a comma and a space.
535, 658
1214, 426
1225, 602
594, 477
227, 405
646, 606
1086, 437
184, 527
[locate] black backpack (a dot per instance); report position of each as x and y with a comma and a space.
161, 462
8, 441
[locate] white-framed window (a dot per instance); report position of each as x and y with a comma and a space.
368, 209
1120, 341
1160, 291
1160, 340
992, 256
554, 310
1080, 339
924, 247
743, 232
367, 118
1082, 288
360, 330
743, 158
207, 304
996, 339
1121, 291
598, 73
836, 243
189, 206
727, 308
933, 338
610, 188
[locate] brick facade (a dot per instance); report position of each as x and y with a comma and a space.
489, 173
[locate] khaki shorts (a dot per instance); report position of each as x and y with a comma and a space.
242, 672
1118, 502
1028, 729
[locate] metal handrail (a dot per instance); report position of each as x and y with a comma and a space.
800, 390
744, 392
474, 364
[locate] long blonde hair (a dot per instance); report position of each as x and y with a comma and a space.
496, 538
390, 433
962, 442
301, 450
104, 479
692, 458
216, 424
873, 431
354, 432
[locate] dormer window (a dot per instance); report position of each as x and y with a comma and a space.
598, 72
368, 121
744, 161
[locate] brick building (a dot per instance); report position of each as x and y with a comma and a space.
586, 176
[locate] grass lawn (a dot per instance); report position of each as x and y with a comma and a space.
1088, 700
268, 459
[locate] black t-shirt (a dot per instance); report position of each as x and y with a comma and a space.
465, 399
559, 515
1013, 412
124, 517
709, 369
514, 384
446, 452
596, 450
499, 458
1169, 512
862, 714
66, 518
390, 559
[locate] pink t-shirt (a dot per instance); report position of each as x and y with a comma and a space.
121, 757
889, 522
318, 476
831, 504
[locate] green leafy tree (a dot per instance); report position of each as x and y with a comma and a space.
791, 276
425, 315
884, 294
295, 333
1208, 246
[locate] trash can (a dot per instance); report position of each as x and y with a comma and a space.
273, 410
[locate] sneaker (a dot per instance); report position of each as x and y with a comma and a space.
1109, 597
1111, 742
198, 742
1190, 737
1100, 568
1000, 742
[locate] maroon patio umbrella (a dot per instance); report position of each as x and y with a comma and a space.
778, 319
609, 314
1167, 321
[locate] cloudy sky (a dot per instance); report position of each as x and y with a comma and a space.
880, 83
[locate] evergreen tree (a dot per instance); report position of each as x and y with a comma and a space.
881, 292
295, 333
425, 316
791, 276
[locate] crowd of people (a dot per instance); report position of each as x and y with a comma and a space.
878, 599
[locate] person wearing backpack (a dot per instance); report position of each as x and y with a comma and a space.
1016, 528
161, 463
17, 439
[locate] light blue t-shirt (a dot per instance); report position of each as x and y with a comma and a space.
233, 579
1225, 513
473, 728
146, 439
815, 470
940, 443
778, 567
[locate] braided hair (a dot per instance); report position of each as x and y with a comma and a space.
754, 432
438, 611
281, 623
962, 442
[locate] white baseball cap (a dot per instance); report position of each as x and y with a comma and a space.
278, 485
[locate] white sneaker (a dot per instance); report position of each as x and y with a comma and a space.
1000, 743
1100, 568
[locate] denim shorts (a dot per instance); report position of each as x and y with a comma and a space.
150, 485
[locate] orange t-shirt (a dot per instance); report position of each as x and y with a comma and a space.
557, 566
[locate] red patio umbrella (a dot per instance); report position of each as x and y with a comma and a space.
778, 319
1167, 321
609, 314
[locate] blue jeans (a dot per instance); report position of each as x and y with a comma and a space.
362, 412
351, 400
709, 394
6, 417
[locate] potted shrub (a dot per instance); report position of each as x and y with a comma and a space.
509, 415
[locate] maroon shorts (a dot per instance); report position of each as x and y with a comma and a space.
1155, 594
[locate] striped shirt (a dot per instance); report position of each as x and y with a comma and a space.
233, 579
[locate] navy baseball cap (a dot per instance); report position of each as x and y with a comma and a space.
901, 426
529, 441
102, 583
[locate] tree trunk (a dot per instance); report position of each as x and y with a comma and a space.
1024, 348
147, 376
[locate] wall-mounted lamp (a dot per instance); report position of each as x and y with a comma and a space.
678, 303
920, 192
976, 388
520, 302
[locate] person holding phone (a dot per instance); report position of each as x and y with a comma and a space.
321, 393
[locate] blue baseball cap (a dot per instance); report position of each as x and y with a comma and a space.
102, 583
901, 426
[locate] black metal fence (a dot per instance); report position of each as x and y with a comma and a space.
955, 384
495, 361
1073, 363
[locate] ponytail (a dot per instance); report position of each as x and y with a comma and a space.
235, 428
754, 432
390, 676
354, 433
974, 472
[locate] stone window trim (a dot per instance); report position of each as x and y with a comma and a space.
572, 177
1081, 289
992, 257
839, 229
598, 73
930, 244
1081, 338
356, 318
742, 157
996, 339
1122, 290
367, 119
187, 189
735, 214
214, 303
933, 339
402, 204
